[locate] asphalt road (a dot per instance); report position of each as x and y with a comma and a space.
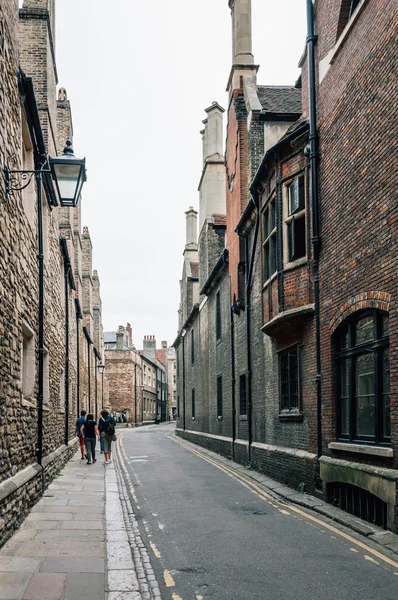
212, 537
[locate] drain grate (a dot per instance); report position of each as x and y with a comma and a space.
358, 502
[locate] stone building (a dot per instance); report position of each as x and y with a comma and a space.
172, 382
247, 376
35, 124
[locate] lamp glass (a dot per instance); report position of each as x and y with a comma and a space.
101, 369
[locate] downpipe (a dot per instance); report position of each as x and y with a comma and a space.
316, 240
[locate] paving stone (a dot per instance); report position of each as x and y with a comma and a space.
98, 510
86, 517
18, 564
10, 591
24, 535
73, 565
124, 596
79, 535
40, 525
52, 516
58, 548
82, 525
45, 586
122, 581
89, 586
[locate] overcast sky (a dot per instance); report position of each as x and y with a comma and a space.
139, 74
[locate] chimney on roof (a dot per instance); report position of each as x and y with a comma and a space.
129, 335
164, 344
213, 130
149, 347
120, 339
191, 229
242, 57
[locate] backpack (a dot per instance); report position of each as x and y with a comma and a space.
108, 428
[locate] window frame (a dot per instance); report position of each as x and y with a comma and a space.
291, 410
290, 218
377, 347
242, 387
270, 238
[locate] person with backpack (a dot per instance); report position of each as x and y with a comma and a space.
90, 433
79, 423
106, 427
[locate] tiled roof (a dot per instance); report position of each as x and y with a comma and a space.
281, 99
161, 355
195, 270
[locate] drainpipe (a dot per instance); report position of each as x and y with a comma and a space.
233, 383
135, 394
316, 240
66, 278
89, 376
78, 317
249, 281
183, 378
96, 387
39, 451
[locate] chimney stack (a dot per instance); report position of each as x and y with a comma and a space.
164, 344
129, 335
120, 339
192, 229
213, 130
149, 347
242, 57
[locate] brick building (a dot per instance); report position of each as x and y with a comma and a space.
34, 124
247, 346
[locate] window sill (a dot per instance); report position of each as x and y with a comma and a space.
242, 417
27, 403
362, 449
289, 266
291, 415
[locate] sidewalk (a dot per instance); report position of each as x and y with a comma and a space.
59, 551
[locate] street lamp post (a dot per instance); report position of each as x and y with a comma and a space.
69, 174
101, 369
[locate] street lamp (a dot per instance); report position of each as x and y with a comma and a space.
69, 174
101, 369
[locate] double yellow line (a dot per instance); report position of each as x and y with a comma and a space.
247, 483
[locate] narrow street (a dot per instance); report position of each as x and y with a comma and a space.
213, 535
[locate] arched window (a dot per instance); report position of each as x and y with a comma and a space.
363, 378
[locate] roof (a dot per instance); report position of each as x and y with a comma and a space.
109, 337
279, 99
220, 219
161, 355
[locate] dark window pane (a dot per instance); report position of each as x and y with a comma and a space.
365, 398
218, 317
273, 216
343, 339
266, 261
354, 4
293, 379
242, 395
386, 394
344, 397
364, 330
299, 238
219, 396
284, 382
385, 327
272, 258
266, 224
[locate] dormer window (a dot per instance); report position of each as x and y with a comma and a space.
294, 217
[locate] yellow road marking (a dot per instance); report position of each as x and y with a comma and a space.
155, 550
284, 512
262, 494
176, 597
169, 581
366, 557
353, 550
161, 526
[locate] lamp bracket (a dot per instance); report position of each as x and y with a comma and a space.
17, 181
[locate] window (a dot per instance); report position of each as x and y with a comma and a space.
269, 237
363, 378
218, 317
144, 374
242, 271
28, 363
192, 347
348, 7
295, 220
242, 395
219, 397
174, 379
193, 403
289, 380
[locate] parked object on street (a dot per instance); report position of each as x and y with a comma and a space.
106, 427
90, 434
79, 424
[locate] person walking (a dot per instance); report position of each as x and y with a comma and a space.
79, 423
106, 427
90, 433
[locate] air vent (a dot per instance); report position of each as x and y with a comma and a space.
358, 502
